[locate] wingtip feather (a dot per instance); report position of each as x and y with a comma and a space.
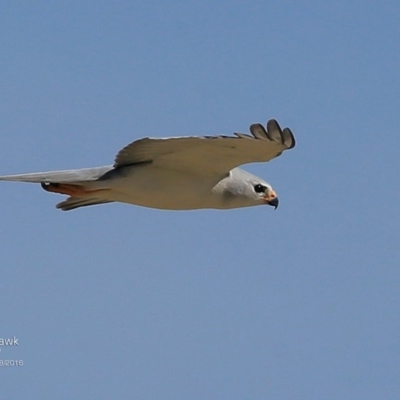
288, 138
274, 131
258, 131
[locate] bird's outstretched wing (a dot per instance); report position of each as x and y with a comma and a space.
206, 155
209, 154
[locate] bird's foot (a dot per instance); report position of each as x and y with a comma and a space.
68, 189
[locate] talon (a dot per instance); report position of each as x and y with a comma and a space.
46, 186
70, 190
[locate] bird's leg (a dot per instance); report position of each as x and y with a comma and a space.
68, 189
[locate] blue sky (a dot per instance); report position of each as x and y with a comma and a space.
117, 301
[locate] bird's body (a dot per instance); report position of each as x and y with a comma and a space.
175, 173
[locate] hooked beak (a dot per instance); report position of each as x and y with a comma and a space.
272, 200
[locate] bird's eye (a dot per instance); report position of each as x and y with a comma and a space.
259, 188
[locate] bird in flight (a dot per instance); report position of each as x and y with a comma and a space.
176, 173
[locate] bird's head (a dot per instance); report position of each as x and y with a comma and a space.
266, 194
242, 189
